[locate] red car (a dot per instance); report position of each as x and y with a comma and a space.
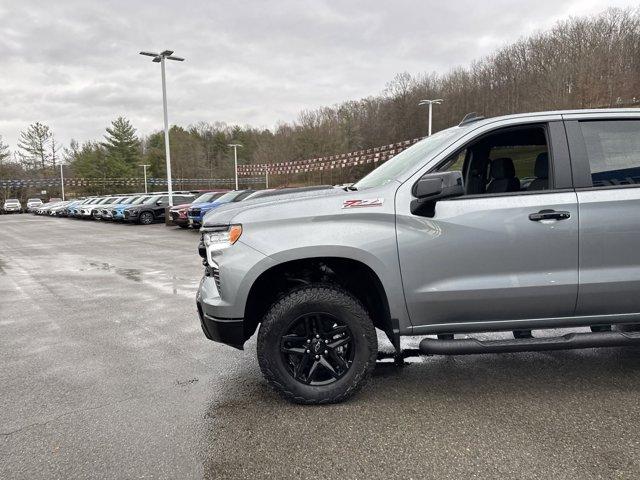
179, 212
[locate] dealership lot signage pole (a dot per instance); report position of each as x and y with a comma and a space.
437, 101
62, 181
144, 167
235, 159
160, 58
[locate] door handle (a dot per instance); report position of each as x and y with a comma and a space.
549, 215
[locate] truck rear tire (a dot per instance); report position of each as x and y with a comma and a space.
317, 344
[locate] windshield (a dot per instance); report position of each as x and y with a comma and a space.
408, 159
129, 200
34, 200
12, 200
153, 199
230, 196
139, 200
207, 197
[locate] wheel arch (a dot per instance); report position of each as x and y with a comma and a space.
355, 276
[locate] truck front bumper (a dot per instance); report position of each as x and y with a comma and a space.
223, 330
229, 331
223, 293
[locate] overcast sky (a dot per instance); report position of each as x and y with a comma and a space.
74, 65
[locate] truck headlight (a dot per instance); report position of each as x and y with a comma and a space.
220, 238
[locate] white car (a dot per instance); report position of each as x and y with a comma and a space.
12, 205
33, 204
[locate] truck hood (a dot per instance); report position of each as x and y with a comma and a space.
226, 213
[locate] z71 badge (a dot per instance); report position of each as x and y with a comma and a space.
369, 202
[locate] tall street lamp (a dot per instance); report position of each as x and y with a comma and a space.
62, 181
437, 101
160, 58
235, 159
145, 176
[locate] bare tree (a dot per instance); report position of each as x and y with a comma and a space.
34, 146
4, 151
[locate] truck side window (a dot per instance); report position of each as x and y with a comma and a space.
505, 161
613, 151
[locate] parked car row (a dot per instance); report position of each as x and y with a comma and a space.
146, 208
14, 205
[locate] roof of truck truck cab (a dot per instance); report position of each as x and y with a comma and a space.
585, 111
410, 160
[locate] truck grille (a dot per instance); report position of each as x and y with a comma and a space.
215, 273
126, 214
194, 212
174, 215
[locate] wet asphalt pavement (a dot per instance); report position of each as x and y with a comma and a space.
105, 373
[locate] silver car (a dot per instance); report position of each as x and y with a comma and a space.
515, 224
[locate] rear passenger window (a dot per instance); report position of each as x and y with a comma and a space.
613, 151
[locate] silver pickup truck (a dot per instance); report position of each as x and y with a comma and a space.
510, 224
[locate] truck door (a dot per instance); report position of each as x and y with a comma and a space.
606, 159
507, 249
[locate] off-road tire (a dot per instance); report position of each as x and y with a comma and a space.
146, 218
319, 298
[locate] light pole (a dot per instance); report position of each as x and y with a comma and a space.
62, 181
235, 159
437, 101
145, 176
160, 57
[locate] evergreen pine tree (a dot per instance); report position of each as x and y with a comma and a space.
121, 145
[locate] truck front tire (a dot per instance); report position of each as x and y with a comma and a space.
317, 345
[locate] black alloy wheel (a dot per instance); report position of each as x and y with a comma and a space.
317, 349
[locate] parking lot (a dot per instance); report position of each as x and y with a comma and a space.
105, 372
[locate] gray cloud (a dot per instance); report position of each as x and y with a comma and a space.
74, 64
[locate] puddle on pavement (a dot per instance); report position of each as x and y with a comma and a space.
155, 278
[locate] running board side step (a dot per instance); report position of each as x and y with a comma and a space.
472, 346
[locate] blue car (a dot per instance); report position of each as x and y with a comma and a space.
117, 211
67, 211
198, 211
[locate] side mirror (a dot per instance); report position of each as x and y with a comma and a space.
159, 202
433, 187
